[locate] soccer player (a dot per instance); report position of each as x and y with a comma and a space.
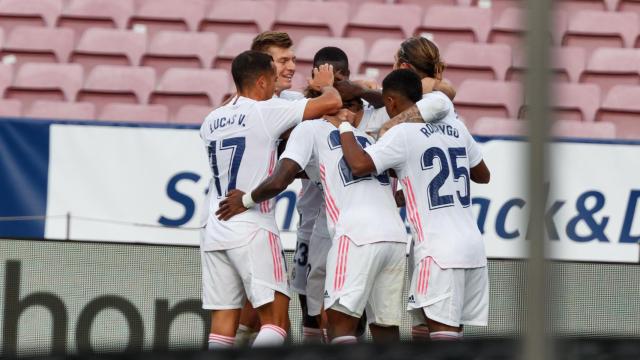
365, 265
241, 142
280, 46
434, 162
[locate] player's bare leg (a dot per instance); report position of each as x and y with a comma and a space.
249, 325
420, 333
384, 334
440, 331
311, 331
223, 328
274, 318
342, 327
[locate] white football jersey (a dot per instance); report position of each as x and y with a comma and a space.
432, 162
362, 208
241, 139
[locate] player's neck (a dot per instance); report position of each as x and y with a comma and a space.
253, 93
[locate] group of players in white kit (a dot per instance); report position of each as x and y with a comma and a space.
350, 260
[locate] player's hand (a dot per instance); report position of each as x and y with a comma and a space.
322, 77
231, 205
342, 116
348, 89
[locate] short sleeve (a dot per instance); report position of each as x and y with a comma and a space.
434, 106
300, 144
280, 115
390, 151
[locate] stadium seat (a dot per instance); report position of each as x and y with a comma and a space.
426, 5
621, 107
305, 51
168, 15
39, 44
508, 28
491, 126
224, 18
41, 81
81, 15
234, 45
572, 6
29, 13
478, 98
6, 77
448, 24
627, 6
306, 18
134, 112
191, 114
576, 101
593, 29
499, 6
109, 47
568, 64
169, 49
581, 129
121, 84
10, 108
179, 87
47, 109
373, 21
609, 67
380, 58
476, 61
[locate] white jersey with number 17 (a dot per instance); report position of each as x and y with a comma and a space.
241, 139
432, 162
361, 208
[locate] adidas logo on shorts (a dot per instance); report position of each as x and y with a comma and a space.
412, 300
326, 294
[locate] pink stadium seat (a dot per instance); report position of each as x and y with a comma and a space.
6, 77
305, 18
109, 47
179, 87
234, 45
576, 101
39, 44
509, 28
456, 23
121, 84
426, 5
581, 129
81, 15
568, 64
478, 98
476, 61
38, 81
577, 5
593, 29
134, 112
491, 126
169, 49
163, 15
191, 114
46, 109
374, 21
628, 6
305, 51
228, 17
498, 6
609, 67
621, 107
380, 58
29, 13
10, 108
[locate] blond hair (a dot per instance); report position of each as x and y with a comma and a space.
263, 41
423, 56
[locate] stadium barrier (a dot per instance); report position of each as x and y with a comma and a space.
93, 297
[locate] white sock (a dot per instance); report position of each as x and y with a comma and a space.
244, 335
349, 339
311, 335
270, 335
446, 335
220, 342
420, 333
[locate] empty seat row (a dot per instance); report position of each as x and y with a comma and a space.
51, 109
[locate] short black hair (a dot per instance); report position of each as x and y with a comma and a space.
334, 56
247, 67
403, 82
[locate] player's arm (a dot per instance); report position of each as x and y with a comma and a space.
237, 201
349, 90
329, 101
480, 173
430, 108
444, 86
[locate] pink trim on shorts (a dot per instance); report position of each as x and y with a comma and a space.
277, 259
341, 265
423, 279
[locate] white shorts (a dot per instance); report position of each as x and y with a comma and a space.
452, 297
254, 271
318, 250
369, 276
